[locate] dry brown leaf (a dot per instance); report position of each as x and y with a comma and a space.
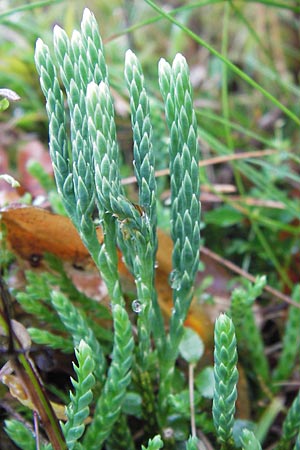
32, 231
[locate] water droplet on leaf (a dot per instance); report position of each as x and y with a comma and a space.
136, 306
175, 279
146, 219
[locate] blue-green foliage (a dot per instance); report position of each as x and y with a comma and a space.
78, 410
226, 377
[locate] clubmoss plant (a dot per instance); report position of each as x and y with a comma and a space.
88, 178
78, 410
248, 335
20, 434
185, 211
137, 362
297, 443
249, 441
291, 425
37, 300
79, 329
226, 377
121, 436
143, 264
154, 444
108, 406
291, 343
129, 391
192, 443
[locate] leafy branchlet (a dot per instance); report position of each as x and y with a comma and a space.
142, 260
249, 338
291, 425
78, 410
154, 444
226, 377
109, 404
121, 436
192, 443
249, 441
22, 436
297, 443
87, 177
85, 158
185, 207
78, 327
291, 342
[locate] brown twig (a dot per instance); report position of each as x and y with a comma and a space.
250, 201
210, 161
236, 269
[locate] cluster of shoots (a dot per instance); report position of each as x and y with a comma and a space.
86, 161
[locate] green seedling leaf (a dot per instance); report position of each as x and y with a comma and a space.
4, 104
181, 402
132, 404
225, 216
8, 95
154, 444
238, 430
205, 382
192, 443
191, 346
